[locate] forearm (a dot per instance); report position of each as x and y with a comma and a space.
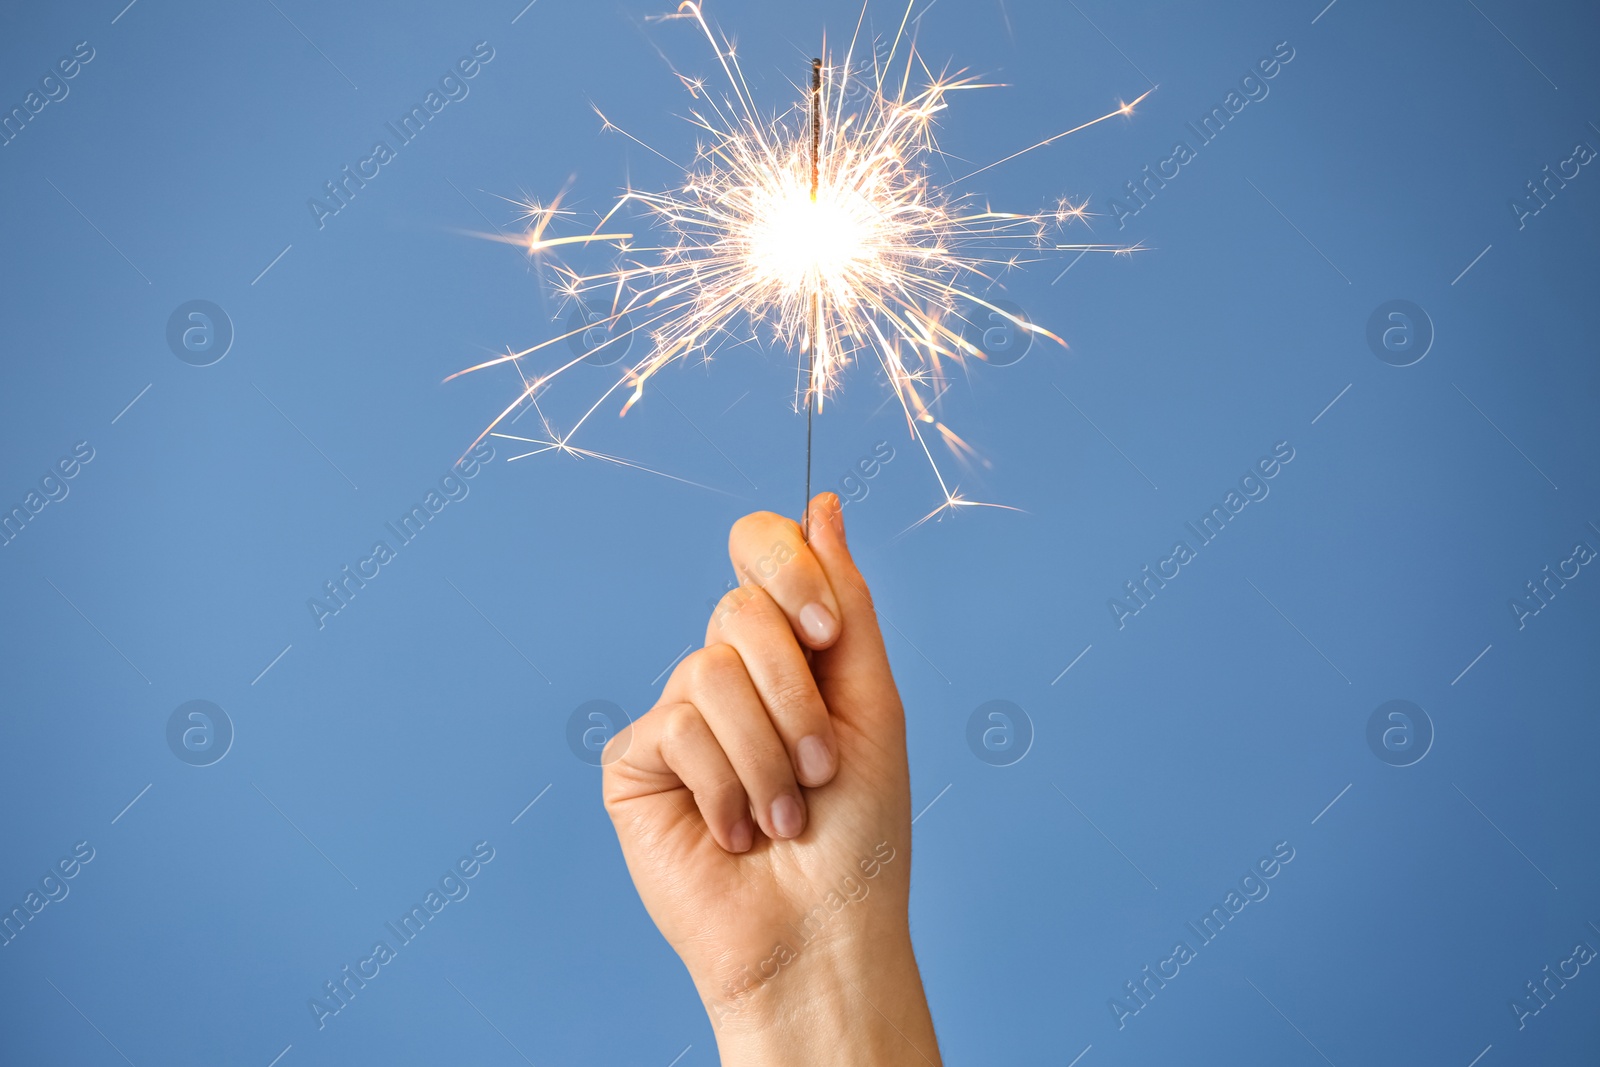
863, 1006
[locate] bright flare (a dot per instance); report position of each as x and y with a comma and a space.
794, 246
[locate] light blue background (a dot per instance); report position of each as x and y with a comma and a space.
429, 713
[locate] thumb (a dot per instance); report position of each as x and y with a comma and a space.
853, 674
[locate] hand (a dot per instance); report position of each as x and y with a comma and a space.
764, 809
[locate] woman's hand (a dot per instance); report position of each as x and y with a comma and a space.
764, 809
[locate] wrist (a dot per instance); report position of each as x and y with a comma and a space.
847, 1001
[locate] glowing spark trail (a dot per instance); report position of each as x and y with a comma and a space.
824, 226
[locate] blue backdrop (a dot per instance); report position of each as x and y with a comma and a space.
1372, 274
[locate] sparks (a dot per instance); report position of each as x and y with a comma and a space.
823, 227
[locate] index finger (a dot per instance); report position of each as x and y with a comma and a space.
769, 551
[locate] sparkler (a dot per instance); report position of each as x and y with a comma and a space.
824, 225
811, 361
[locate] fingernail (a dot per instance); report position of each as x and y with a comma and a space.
786, 817
740, 836
816, 762
818, 623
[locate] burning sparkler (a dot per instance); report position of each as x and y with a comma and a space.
824, 226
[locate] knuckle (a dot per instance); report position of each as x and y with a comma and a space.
692, 670
730, 604
725, 794
680, 726
747, 602
760, 761
615, 747
791, 698
710, 667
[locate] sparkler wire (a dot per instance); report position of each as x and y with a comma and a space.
816, 320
